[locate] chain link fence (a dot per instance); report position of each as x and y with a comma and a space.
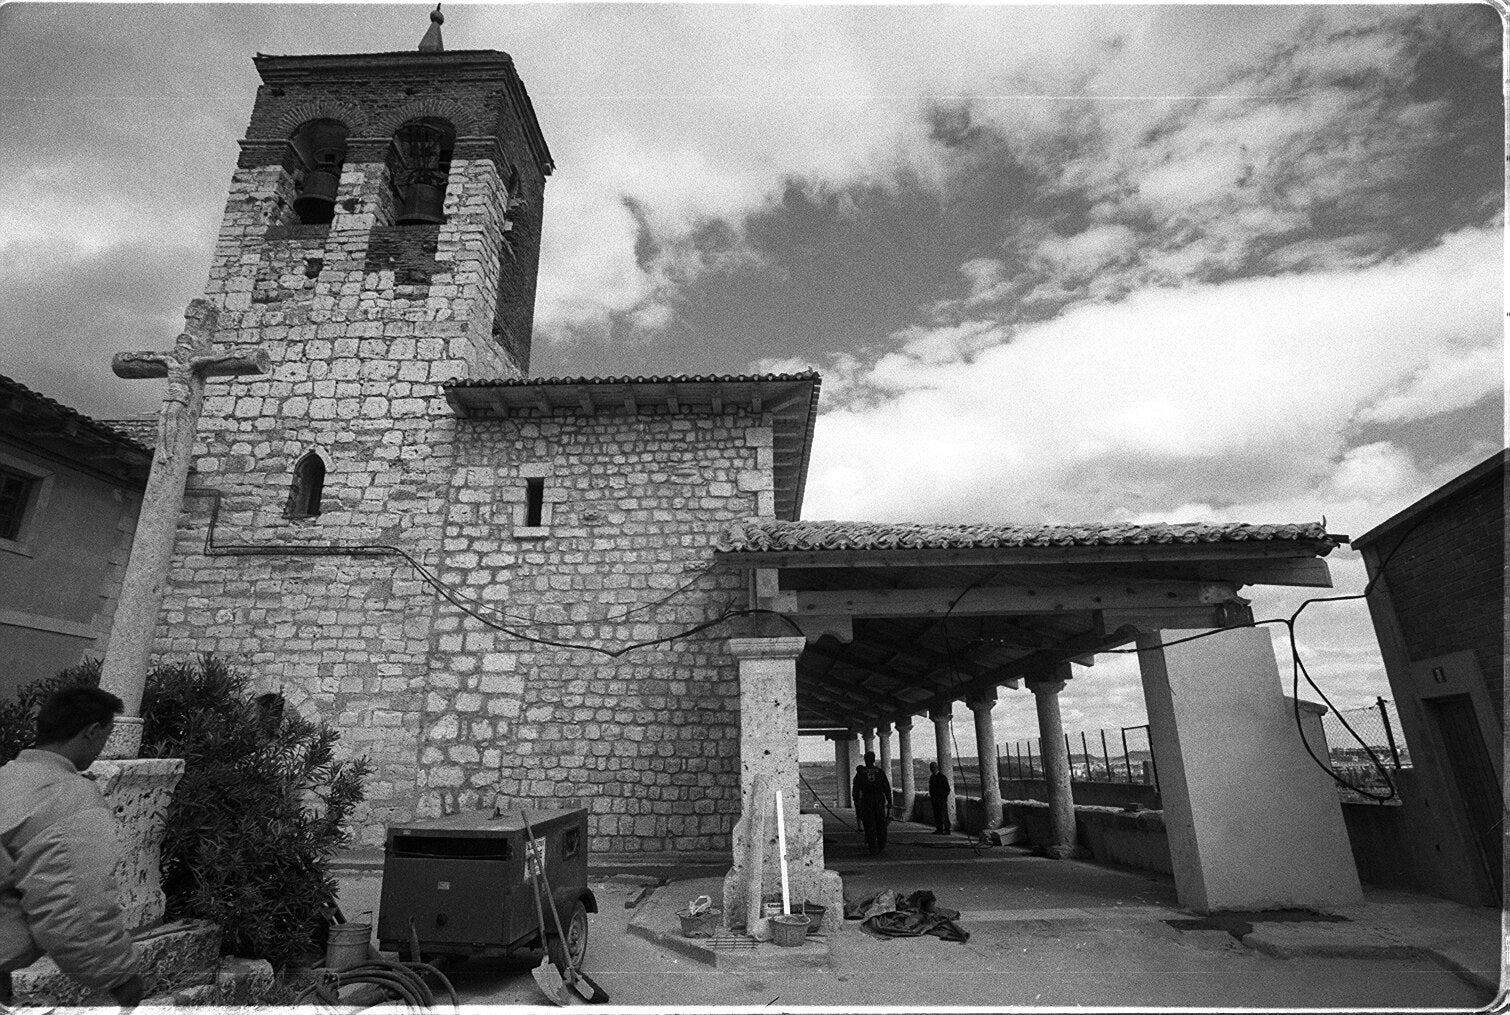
1378, 727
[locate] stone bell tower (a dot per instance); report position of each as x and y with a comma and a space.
391, 187
381, 236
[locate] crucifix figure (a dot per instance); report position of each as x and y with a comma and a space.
192, 359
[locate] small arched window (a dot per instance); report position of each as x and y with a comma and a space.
307, 488
419, 166
321, 147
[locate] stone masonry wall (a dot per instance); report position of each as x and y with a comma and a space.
649, 740
359, 358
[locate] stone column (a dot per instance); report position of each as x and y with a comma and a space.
1252, 822
943, 747
909, 778
1056, 763
768, 755
883, 752
985, 750
869, 736
844, 768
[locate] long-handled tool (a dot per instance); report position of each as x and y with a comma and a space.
547, 976
577, 982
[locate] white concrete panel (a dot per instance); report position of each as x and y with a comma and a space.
1252, 822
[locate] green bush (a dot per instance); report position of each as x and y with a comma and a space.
258, 815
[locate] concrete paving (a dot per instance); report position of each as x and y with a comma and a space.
1043, 933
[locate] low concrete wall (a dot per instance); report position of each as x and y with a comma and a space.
1110, 834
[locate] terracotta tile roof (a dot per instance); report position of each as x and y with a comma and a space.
37, 406
767, 536
516, 382
142, 430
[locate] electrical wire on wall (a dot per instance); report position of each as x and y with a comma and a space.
472, 607
1298, 669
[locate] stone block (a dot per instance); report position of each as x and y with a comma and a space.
174, 956
242, 981
138, 791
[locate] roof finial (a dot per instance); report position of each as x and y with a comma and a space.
431, 42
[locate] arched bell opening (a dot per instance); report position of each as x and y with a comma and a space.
307, 488
321, 148
419, 167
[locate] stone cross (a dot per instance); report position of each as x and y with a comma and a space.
192, 359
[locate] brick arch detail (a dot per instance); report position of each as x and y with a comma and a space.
323, 109
444, 109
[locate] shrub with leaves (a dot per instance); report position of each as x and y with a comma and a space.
258, 815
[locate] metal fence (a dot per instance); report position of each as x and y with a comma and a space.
1378, 727
1121, 754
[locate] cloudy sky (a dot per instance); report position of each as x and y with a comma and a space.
1059, 263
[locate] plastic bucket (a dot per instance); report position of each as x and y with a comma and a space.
789, 931
814, 914
346, 945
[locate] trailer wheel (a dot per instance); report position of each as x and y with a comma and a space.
575, 949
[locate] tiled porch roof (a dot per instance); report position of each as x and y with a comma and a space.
768, 536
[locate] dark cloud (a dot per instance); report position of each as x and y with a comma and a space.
60, 329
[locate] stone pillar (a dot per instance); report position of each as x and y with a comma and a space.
985, 750
139, 791
844, 768
869, 736
1056, 763
768, 756
1252, 822
943, 748
883, 752
909, 778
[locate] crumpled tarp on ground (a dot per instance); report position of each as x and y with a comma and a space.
892, 914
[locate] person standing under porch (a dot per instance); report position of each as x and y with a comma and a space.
873, 802
938, 795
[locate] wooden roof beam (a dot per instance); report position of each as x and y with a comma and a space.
975, 600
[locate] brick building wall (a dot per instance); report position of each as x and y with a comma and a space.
1447, 580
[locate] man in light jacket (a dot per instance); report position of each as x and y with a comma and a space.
58, 851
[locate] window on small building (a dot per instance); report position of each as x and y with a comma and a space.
534, 502
15, 498
308, 487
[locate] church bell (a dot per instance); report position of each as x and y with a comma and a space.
424, 199
316, 202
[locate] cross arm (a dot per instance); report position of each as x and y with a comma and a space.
231, 364
136, 365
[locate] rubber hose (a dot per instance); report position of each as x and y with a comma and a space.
413, 981
393, 984
427, 967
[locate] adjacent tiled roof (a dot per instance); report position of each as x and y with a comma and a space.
767, 536
38, 406
143, 430
29, 416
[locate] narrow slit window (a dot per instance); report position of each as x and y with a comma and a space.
308, 487
15, 496
534, 501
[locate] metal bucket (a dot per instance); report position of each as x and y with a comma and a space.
347, 945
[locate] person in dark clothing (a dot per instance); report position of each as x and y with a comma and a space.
856, 792
873, 802
938, 794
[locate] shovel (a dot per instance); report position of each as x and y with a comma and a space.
547, 976
578, 983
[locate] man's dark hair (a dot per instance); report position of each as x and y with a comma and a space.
870, 757
70, 710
